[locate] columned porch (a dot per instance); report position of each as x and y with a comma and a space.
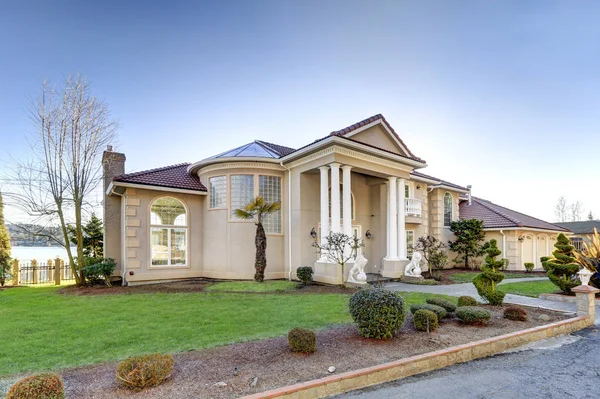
386, 219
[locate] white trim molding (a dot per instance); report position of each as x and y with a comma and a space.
114, 184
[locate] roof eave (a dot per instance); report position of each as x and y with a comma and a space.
116, 183
193, 168
348, 143
446, 187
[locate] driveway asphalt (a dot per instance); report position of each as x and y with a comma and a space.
563, 367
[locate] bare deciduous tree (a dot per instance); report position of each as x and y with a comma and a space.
72, 128
576, 209
339, 248
561, 209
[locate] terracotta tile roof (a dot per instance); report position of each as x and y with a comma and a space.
346, 130
582, 227
174, 176
496, 216
440, 181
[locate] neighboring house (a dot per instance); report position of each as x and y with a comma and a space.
581, 231
178, 221
521, 238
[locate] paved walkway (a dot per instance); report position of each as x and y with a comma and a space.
470, 290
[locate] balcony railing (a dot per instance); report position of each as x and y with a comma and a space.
413, 207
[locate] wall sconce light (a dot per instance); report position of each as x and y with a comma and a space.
521, 238
418, 186
368, 234
313, 233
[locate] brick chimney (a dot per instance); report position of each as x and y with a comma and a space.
113, 164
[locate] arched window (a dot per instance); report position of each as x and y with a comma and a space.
342, 203
169, 231
447, 209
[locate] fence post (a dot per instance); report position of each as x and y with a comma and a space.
15, 272
34, 271
58, 268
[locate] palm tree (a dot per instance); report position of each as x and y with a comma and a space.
256, 210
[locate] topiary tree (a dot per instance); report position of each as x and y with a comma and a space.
257, 209
469, 235
562, 268
4, 247
486, 281
378, 313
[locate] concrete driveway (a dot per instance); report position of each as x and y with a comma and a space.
563, 367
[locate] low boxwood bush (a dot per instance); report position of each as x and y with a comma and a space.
305, 274
467, 301
529, 266
39, 386
515, 313
473, 315
101, 271
425, 320
379, 313
446, 304
302, 340
439, 311
146, 371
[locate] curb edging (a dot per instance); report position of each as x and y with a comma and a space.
386, 372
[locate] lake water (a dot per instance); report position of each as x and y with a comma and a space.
42, 254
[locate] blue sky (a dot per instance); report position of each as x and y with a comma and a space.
503, 95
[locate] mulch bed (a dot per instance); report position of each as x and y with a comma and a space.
192, 286
197, 372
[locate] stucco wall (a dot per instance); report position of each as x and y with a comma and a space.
137, 240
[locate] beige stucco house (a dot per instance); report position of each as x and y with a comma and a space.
177, 222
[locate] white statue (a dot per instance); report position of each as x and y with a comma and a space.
357, 273
414, 267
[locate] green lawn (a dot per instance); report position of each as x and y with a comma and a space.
467, 277
529, 288
251, 286
44, 330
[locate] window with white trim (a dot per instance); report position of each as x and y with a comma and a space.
447, 209
342, 203
218, 191
241, 192
168, 230
269, 187
410, 242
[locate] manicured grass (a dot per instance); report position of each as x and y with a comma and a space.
467, 277
45, 330
253, 286
529, 288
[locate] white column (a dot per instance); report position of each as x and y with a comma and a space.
324, 205
347, 200
335, 197
392, 226
535, 257
401, 220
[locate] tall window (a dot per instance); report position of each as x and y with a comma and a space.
218, 191
168, 226
269, 187
447, 209
242, 192
406, 191
342, 203
410, 242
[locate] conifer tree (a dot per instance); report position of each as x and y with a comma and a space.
4, 247
486, 282
561, 268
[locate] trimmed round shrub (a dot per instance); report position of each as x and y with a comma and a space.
449, 306
529, 266
302, 340
424, 319
38, 386
516, 313
379, 313
146, 371
439, 311
467, 301
473, 315
305, 274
